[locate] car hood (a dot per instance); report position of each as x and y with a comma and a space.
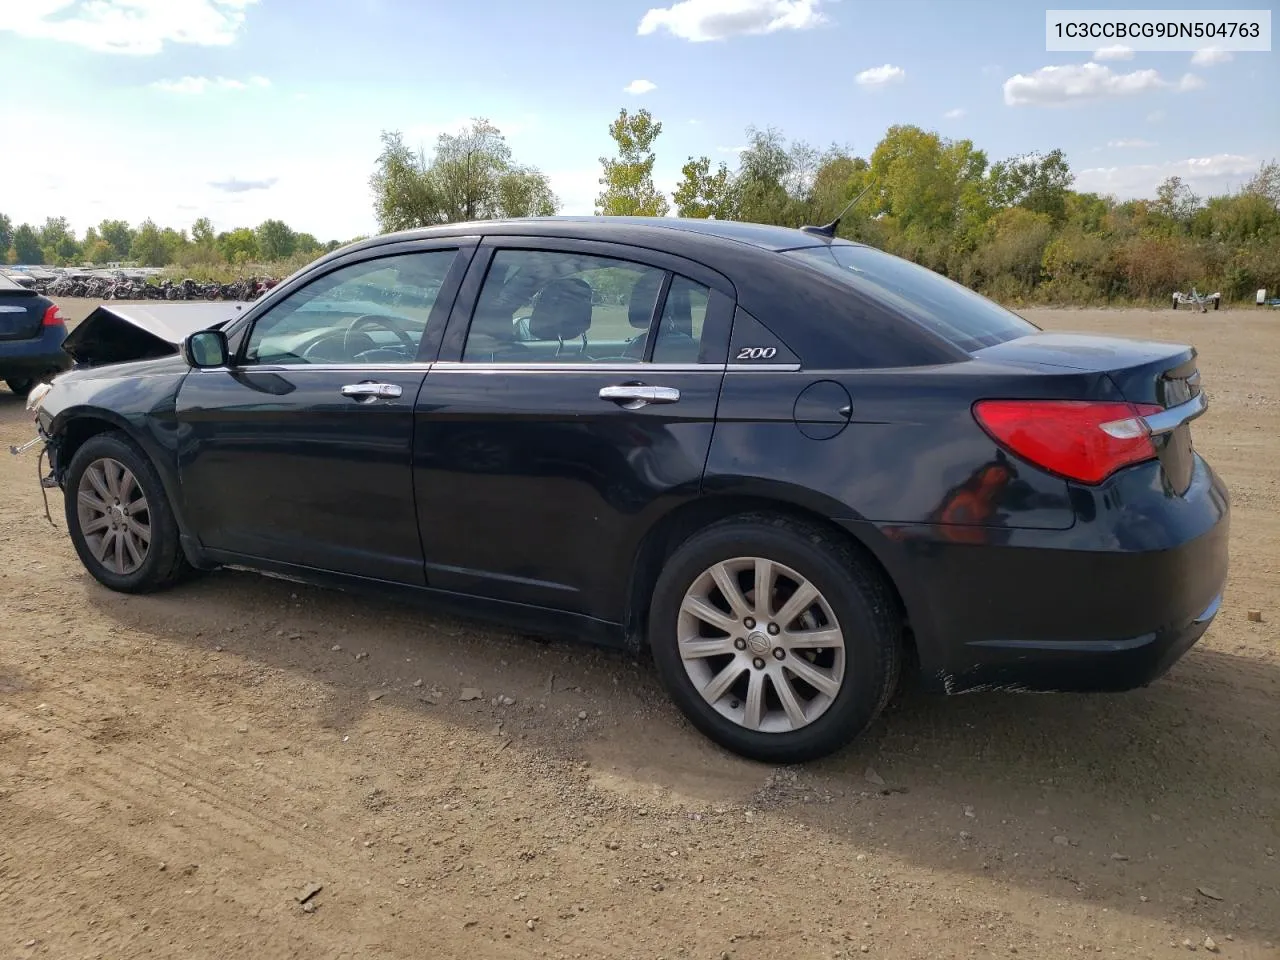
120, 332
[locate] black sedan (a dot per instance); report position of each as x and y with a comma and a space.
789, 465
31, 335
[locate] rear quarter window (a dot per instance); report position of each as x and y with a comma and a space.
948, 309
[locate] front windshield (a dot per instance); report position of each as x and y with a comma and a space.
951, 310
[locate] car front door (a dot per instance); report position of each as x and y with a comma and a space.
573, 402
299, 452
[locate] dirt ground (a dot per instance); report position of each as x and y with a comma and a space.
177, 771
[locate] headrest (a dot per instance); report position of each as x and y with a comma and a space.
643, 296
563, 310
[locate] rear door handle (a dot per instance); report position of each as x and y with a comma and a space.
634, 396
368, 391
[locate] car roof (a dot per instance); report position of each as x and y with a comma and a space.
761, 235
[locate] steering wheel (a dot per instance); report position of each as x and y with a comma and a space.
373, 320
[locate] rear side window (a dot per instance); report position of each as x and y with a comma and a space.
949, 309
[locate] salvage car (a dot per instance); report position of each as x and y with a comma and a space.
31, 335
791, 466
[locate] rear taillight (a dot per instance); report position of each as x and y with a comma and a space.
1077, 439
52, 318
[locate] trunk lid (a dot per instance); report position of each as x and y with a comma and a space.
21, 313
1143, 371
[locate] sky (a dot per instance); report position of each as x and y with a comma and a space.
243, 110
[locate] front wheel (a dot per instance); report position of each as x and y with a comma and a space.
20, 386
776, 639
119, 517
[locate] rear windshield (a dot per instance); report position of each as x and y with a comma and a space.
949, 309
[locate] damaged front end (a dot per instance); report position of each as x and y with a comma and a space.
114, 333
48, 446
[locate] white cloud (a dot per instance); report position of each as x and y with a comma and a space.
138, 27
1077, 83
879, 76
1131, 143
236, 185
1117, 52
1205, 175
637, 87
1210, 56
954, 114
702, 20
197, 85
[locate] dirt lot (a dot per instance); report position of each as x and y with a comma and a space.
177, 770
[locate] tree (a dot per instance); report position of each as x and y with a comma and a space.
1038, 182
6, 235
202, 232
306, 244
238, 246
26, 245
276, 241
628, 179
526, 192
119, 235
705, 194
1175, 201
404, 195
471, 176
1266, 183
148, 246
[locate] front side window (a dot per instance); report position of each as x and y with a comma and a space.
375, 311
551, 306
948, 309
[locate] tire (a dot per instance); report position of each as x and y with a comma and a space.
850, 591
21, 387
162, 563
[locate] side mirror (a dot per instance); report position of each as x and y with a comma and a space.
206, 348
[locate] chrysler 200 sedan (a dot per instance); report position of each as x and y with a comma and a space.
789, 465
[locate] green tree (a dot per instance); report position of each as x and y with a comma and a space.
306, 244
202, 232
705, 194
119, 235
276, 241
1038, 182
6, 235
471, 176
526, 192
404, 194
26, 245
149, 248
238, 246
628, 178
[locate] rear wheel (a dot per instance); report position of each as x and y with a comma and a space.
119, 517
776, 639
20, 386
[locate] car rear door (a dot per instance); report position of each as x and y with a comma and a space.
299, 452
556, 426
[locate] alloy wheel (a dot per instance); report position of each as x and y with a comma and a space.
761, 644
113, 515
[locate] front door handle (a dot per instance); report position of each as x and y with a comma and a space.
368, 391
635, 396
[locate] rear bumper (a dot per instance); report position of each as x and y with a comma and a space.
39, 355
1079, 666
1109, 604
